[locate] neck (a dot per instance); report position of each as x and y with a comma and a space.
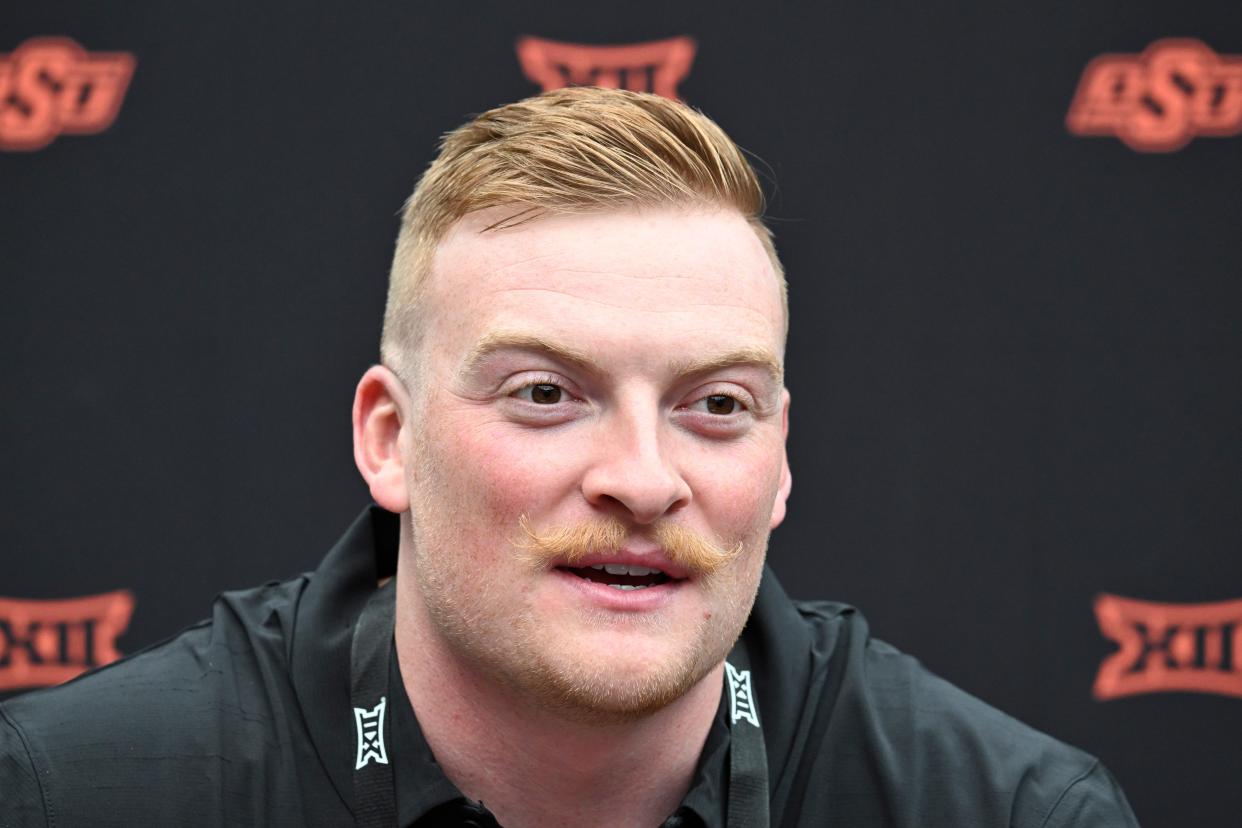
534, 766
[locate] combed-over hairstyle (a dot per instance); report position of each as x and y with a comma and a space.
573, 150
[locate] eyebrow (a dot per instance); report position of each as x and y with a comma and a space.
511, 340
742, 357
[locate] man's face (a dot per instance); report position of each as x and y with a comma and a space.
621, 365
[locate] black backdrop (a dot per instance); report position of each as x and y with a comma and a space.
1014, 351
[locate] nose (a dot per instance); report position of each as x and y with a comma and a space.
631, 475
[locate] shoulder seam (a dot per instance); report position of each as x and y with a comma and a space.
1080, 777
49, 813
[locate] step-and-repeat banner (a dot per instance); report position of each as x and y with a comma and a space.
1014, 245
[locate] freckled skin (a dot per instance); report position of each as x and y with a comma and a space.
629, 289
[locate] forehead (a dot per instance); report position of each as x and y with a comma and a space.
668, 277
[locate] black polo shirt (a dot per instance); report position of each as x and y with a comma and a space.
246, 719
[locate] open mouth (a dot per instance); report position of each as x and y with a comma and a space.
620, 576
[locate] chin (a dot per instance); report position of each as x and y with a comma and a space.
615, 692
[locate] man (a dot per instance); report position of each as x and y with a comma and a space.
580, 420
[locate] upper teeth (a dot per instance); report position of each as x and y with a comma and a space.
623, 569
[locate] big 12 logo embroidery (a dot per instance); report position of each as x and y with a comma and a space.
51, 86
656, 67
1193, 648
1159, 100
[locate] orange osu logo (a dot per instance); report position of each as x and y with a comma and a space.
51, 85
1167, 647
656, 67
1159, 100
47, 642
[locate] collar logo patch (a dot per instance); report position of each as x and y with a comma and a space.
1157, 101
1192, 648
657, 66
741, 696
371, 735
47, 642
51, 86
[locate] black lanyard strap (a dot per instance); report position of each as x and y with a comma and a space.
375, 794
748, 756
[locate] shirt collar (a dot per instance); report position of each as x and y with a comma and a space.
422, 786
707, 793
319, 650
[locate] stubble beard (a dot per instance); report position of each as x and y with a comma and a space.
515, 652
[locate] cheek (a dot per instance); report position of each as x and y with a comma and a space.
503, 472
736, 491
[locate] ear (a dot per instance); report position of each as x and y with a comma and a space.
786, 484
381, 406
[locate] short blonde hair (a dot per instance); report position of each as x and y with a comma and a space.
573, 150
